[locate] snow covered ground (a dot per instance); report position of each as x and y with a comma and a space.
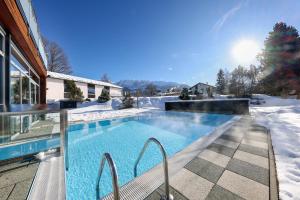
282, 116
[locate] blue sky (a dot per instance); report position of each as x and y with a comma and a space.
186, 41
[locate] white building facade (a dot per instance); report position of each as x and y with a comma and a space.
90, 88
202, 89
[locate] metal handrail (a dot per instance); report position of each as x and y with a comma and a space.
29, 110
167, 196
112, 167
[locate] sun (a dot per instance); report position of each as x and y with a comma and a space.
245, 51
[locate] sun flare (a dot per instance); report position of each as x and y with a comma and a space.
245, 51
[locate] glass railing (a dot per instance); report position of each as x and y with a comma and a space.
30, 132
30, 18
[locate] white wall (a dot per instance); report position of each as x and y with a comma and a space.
84, 88
202, 89
115, 92
55, 89
98, 90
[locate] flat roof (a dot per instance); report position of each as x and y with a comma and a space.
79, 79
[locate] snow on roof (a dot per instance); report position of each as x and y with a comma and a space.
79, 79
202, 84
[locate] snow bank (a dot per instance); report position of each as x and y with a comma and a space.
282, 116
94, 106
88, 111
155, 102
106, 114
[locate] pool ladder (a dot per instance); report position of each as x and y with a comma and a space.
106, 156
113, 172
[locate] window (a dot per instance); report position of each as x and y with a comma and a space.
91, 91
2, 39
15, 86
1, 43
67, 92
25, 89
33, 93
24, 82
107, 88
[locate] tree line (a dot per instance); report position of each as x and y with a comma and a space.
278, 72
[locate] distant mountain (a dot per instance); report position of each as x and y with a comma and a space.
142, 84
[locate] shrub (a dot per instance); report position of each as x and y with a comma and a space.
127, 101
184, 95
75, 93
104, 97
87, 99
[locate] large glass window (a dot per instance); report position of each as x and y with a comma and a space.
25, 90
91, 91
15, 85
33, 93
1, 63
24, 82
37, 94
1, 43
67, 91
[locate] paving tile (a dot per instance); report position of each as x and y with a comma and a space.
159, 192
205, 169
258, 128
251, 158
227, 143
257, 134
230, 137
255, 138
18, 175
12, 166
216, 158
219, 193
4, 192
254, 150
21, 190
243, 187
221, 149
262, 145
190, 185
250, 171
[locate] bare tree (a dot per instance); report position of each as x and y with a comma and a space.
105, 78
150, 89
238, 81
56, 57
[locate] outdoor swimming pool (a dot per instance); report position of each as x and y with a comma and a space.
123, 139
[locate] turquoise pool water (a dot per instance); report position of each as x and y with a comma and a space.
124, 139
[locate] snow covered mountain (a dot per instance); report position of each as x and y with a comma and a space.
142, 84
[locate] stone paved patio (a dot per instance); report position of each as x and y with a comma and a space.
16, 179
238, 165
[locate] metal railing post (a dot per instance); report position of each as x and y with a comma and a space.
112, 167
64, 136
167, 196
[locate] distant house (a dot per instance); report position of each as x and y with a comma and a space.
90, 88
202, 89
